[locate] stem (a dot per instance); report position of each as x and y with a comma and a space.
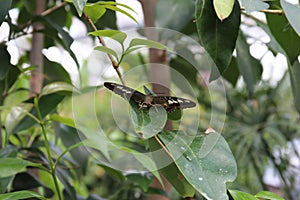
271, 11
163, 146
101, 41
51, 165
50, 10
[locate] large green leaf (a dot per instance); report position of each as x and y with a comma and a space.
21, 195
148, 122
169, 170
4, 8
179, 13
249, 67
292, 12
218, 37
11, 166
204, 160
283, 32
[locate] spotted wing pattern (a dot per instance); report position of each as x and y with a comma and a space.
146, 101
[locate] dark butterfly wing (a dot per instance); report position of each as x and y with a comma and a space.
145, 102
173, 103
125, 92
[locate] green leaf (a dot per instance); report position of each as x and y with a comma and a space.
79, 5
12, 166
47, 104
283, 32
9, 80
295, 81
232, 73
217, 37
55, 31
115, 8
148, 122
185, 68
147, 43
56, 87
107, 50
268, 195
16, 114
238, 195
21, 195
96, 140
71, 136
4, 8
4, 183
143, 180
254, 5
118, 36
169, 170
223, 8
249, 67
4, 61
63, 120
113, 3
108, 20
55, 72
204, 160
116, 174
292, 12
146, 161
30, 182
94, 11
273, 45
179, 13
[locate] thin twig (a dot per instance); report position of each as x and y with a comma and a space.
50, 10
44, 13
101, 41
271, 11
163, 146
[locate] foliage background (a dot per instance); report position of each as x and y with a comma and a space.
262, 119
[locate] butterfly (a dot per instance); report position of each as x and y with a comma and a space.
143, 101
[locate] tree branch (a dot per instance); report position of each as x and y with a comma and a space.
101, 41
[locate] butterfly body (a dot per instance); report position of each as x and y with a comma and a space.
169, 103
